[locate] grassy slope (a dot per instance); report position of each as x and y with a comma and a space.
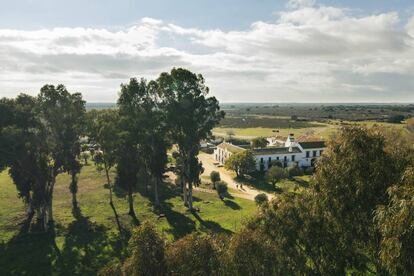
91, 239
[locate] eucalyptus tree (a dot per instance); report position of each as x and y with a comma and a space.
191, 115
103, 129
132, 105
61, 115
17, 145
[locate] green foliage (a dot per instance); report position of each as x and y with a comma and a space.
396, 119
260, 199
194, 255
147, 252
396, 224
295, 171
191, 116
250, 253
259, 142
275, 174
241, 162
221, 188
214, 177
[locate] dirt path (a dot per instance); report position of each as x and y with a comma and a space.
246, 192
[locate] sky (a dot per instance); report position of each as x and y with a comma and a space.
248, 51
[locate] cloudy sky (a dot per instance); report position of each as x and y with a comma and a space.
248, 51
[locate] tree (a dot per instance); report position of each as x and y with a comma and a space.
191, 116
103, 128
260, 199
396, 119
132, 105
250, 253
294, 170
201, 250
241, 162
294, 117
61, 115
215, 177
366, 165
221, 188
275, 174
396, 224
147, 252
259, 142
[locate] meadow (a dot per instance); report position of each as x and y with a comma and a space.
86, 238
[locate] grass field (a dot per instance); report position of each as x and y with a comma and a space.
87, 238
322, 130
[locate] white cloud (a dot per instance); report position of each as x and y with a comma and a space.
310, 53
300, 3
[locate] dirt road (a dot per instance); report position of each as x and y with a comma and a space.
246, 192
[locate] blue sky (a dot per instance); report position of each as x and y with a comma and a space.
278, 51
207, 14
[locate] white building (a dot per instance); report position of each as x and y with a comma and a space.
304, 154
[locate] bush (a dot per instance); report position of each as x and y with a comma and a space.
221, 188
261, 199
193, 255
147, 252
214, 177
309, 170
295, 171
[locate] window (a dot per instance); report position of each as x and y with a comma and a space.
293, 158
270, 159
314, 153
307, 154
277, 158
261, 160
285, 159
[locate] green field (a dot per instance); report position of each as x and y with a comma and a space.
88, 238
322, 130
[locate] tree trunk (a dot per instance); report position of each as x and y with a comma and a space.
108, 181
190, 196
156, 195
74, 190
131, 211
185, 198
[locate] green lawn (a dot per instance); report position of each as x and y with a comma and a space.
88, 238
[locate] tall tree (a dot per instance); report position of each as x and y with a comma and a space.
103, 129
61, 115
191, 115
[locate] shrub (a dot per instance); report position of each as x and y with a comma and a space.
214, 177
193, 255
295, 171
147, 252
309, 170
261, 199
221, 188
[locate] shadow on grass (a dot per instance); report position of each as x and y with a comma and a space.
181, 224
87, 247
230, 203
301, 182
211, 226
29, 254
